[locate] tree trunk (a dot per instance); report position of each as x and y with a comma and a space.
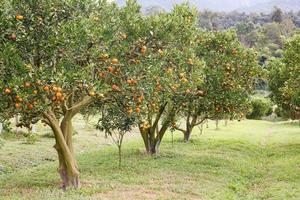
201, 128
188, 133
16, 124
217, 124
67, 169
120, 156
226, 122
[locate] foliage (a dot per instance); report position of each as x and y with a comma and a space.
31, 138
47, 66
228, 80
284, 78
260, 107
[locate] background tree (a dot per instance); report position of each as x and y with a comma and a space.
277, 15
229, 75
284, 78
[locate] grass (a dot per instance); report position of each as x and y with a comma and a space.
250, 160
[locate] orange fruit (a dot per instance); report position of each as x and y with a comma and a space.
102, 74
92, 93
110, 69
7, 91
46, 88
27, 85
115, 87
54, 88
29, 106
19, 17
18, 105
114, 61
138, 110
58, 95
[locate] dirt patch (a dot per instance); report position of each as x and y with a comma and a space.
128, 194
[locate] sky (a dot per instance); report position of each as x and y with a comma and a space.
219, 5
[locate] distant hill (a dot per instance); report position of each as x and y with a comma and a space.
266, 7
225, 5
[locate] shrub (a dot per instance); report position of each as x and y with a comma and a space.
260, 107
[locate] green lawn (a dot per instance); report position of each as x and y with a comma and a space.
245, 161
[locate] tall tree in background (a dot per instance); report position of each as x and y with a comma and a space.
284, 78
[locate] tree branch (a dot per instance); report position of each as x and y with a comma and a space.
77, 107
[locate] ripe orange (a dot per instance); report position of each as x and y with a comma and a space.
143, 49
46, 88
114, 61
18, 105
110, 69
92, 93
27, 85
58, 95
19, 17
115, 87
138, 109
29, 106
102, 74
7, 91
19, 99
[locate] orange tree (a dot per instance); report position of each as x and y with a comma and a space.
147, 65
48, 67
284, 79
229, 74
